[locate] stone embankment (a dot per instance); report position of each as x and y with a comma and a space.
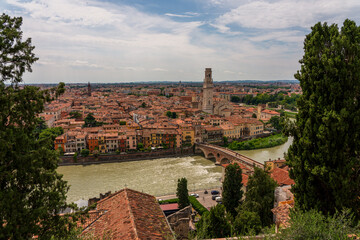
137, 156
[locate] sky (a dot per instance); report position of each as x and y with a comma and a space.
107, 41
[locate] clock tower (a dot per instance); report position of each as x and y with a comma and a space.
208, 92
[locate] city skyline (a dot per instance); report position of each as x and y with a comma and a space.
139, 41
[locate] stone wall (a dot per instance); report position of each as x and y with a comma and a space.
137, 156
179, 222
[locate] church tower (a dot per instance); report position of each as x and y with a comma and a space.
208, 88
89, 89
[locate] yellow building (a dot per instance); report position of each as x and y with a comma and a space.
102, 144
188, 135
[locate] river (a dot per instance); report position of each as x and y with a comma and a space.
262, 155
156, 177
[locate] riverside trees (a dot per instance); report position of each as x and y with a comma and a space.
324, 157
31, 191
182, 193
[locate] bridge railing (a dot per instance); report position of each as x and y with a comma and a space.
235, 154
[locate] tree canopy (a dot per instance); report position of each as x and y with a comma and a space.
213, 224
31, 191
259, 197
232, 192
324, 157
90, 121
182, 193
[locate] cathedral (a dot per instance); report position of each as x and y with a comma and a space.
208, 104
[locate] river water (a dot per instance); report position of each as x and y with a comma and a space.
156, 177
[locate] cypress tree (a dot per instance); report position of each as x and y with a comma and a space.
324, 157
182, 193
232, 185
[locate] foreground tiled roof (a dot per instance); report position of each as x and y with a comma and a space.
128, 214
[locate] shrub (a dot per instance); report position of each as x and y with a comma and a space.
197, 205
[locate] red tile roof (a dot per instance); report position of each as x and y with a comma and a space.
170, 206
281, 176
128, 214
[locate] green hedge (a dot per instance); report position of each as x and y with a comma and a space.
174, 200
194, 202
197, 205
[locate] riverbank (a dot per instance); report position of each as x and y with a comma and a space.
259, 143
129, 157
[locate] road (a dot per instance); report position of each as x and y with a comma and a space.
204, 199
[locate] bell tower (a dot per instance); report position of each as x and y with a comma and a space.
208, 88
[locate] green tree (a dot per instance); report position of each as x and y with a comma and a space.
47, 136
143, 105
140, 146
254, 115
277, 122
182, 193
90, 121
40, 127
225, 141
169, 114
31, 191
235, 99
259, 197
314, 225
247, 223
324, 157
75, 114
213, 224
85, 152
232, 192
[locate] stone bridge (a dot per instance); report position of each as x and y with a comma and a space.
225, 155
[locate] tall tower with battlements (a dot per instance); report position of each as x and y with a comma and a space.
89, 89
208, 92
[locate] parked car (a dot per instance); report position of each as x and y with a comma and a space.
214, 197
218, 199
194, 195
214, 192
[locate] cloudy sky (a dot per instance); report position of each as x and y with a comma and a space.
171, 40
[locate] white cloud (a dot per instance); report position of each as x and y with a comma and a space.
96, 41
288, 13
159, 70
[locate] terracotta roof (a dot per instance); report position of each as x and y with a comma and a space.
170, 206
129, 214
281, 176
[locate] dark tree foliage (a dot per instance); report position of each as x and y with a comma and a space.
85, 152
75, 114
182, 193
235, 99
277, 122
259, 197
40, 127
314, 225
47, 136
213, 224
324, 157
171, 114
16, 56
247, 223
31, 191
90, 121
232, 192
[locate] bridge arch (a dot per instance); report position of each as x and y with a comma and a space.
225, 160
211, 156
